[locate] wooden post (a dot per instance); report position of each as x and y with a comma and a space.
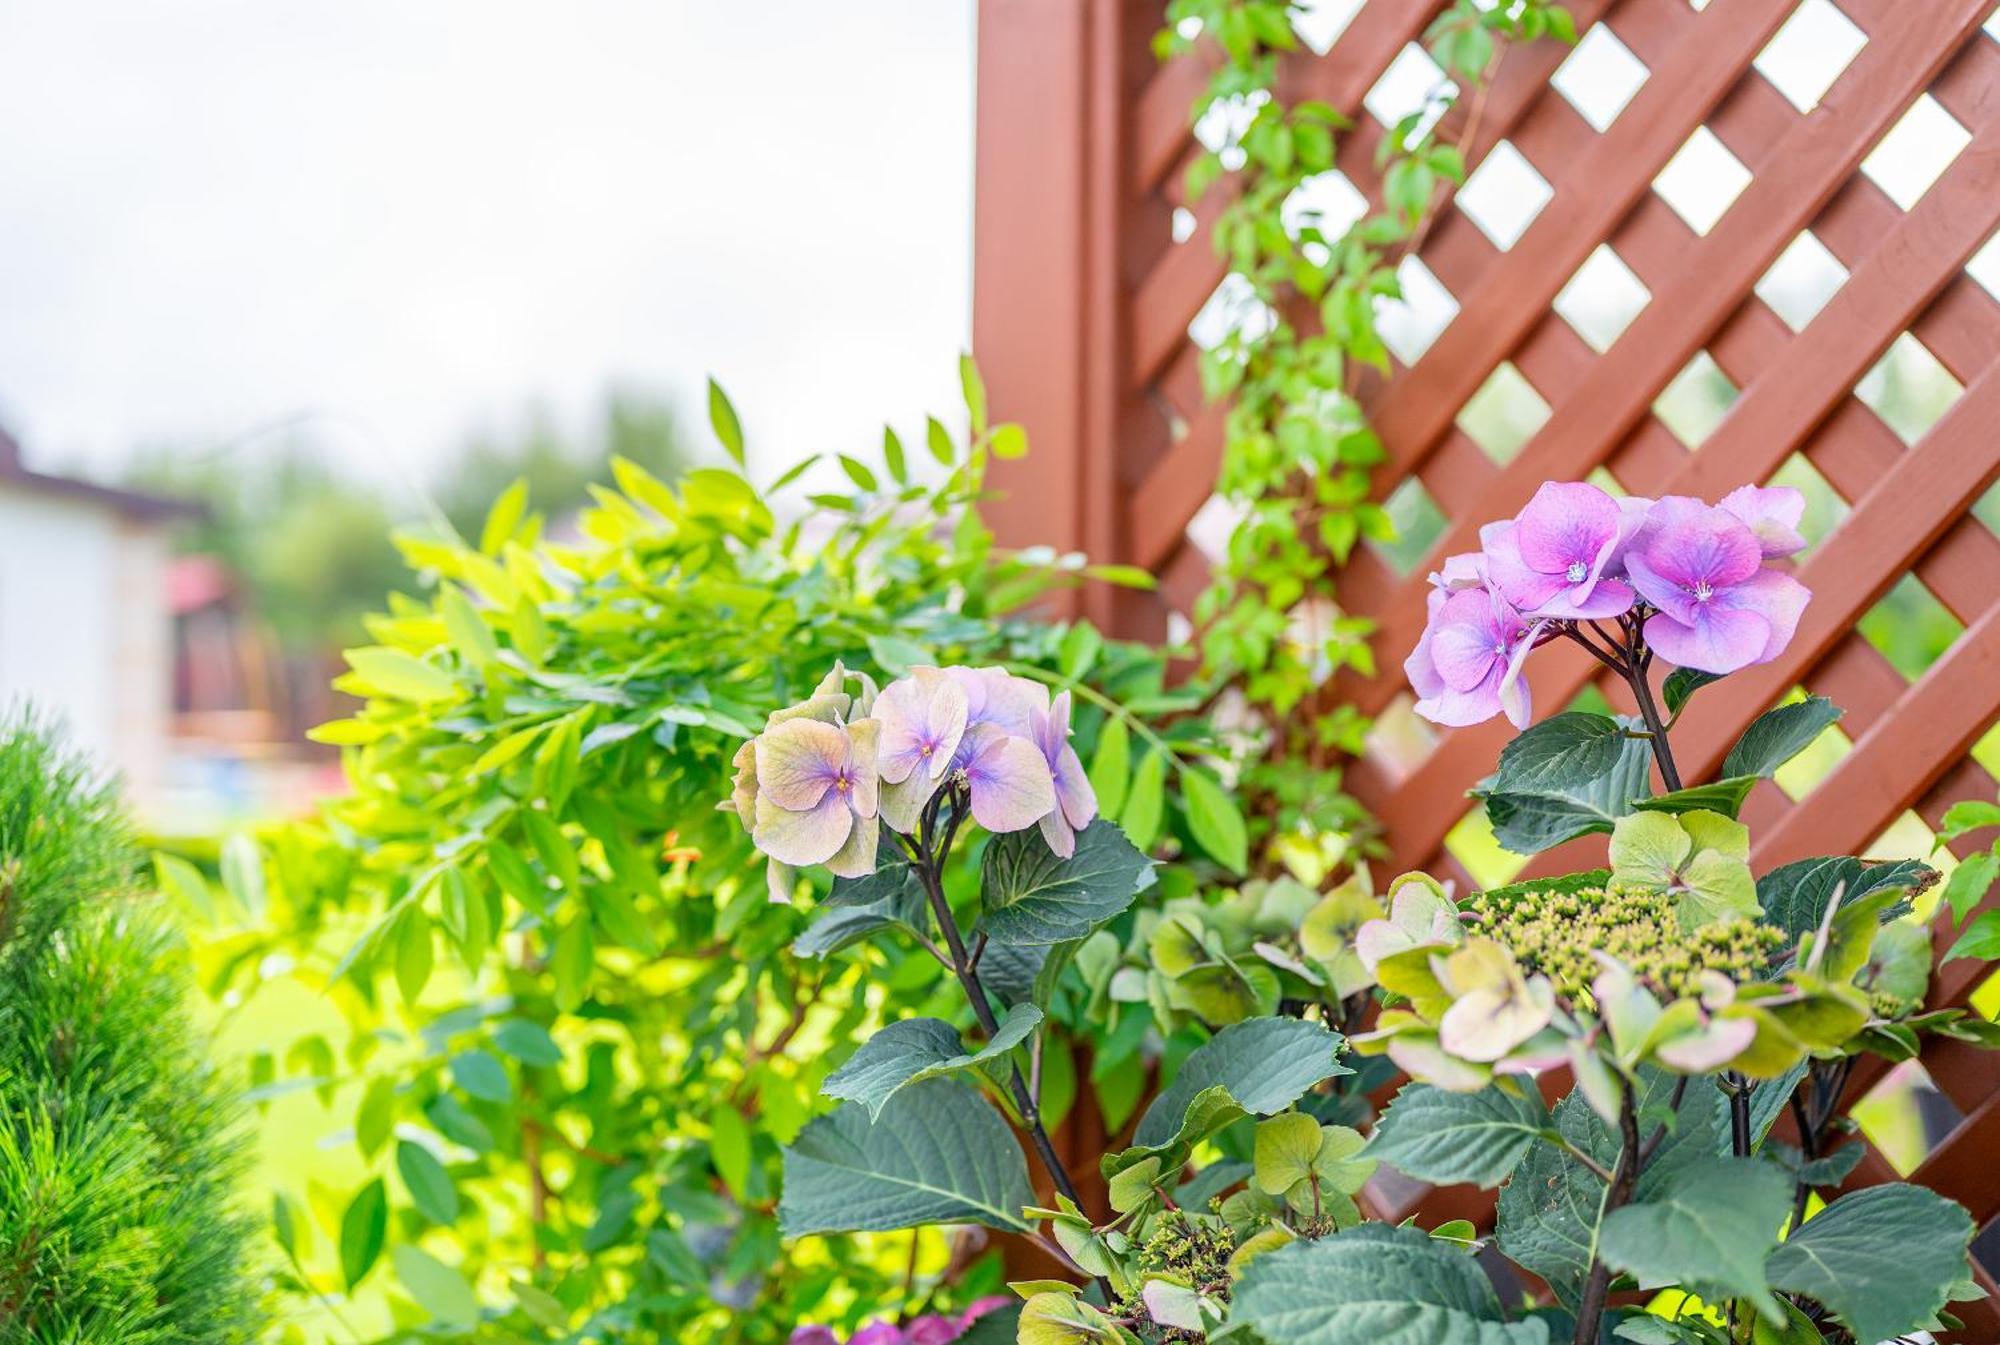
1051, 279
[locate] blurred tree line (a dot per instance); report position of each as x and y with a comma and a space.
309, 541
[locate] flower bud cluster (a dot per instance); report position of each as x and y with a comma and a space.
1558, 934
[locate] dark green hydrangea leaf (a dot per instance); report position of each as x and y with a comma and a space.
1884, 1259
1033, 896
1264, 1063
915, 1049
1444, 1137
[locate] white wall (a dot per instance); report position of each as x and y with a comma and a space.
84, 627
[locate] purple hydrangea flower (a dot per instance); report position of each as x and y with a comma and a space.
1720, 608
1076, 801
1467, 666
1557, 558
923, 718
996, 696
816, 795
1773, 514
813, 1335
879, 1333
1007, 777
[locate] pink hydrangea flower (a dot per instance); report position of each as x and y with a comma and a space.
996, 696
1467, 666
816, 794
1007, 778
1773, 514
1076, 801
1719, 607
1557, 558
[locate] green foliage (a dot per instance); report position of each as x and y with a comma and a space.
119, 1147
1390, 1286
935, 1153
1298, 452
1882, 1259
1443, 1137
562, 977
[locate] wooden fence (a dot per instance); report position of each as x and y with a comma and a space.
1714, 245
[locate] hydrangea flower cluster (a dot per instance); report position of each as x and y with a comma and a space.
1636, 963
930, 1329
1679, 577
825, 775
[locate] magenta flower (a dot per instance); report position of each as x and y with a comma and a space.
1773, 514
879, 1333
923, 718
1465, 570
1720, 609
1076, 801
1467, 666
1557, 558
813, 1335
816, 794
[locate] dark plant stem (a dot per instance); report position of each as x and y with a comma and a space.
1637, 660
1617, 1194
929, 869
1826, 1081
1739, 1089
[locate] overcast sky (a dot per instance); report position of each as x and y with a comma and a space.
404, 219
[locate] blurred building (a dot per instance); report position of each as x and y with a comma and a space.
86, 630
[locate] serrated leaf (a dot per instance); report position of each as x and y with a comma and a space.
1215, 821
1723, 796
1443, 1137
1682, 683
1970, 881
938, 1153
1884, 1259
1382, 1285
1561, 754
915, 1049
1708, 1229
1032, 896
1528, 822
1795, 896
1776, 736
890, 898
1266, 1064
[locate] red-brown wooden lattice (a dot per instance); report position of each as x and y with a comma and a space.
1084, 300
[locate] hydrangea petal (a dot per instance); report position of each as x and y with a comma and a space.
1690, 544
922, 717
863, 736
1776, 597
1059, 834
743, 790
1009, 781
901, 805
807, 836
1772, 513
1467, 651
1708, 1048
856, 859
797, 760
1566, 522
1718, 640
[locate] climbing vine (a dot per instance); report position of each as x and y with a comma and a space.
1298, 449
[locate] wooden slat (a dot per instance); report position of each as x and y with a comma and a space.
1821, 153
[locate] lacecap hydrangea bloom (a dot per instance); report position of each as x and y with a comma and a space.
1680, 578
817, 785
930, 1329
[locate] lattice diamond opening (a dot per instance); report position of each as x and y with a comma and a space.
1696, 401
1910, 627
1504, 194
1319, 23
1504, 414
1916, 151
1602, 298
1472, 843
1328, 202
1802, 281
1234, 307
1410, 324
1702, 180
1183, 224
1212, 525
1806, 55
1824, 506
1400, 739
1419, 523
1413, 83
1984, 266
1599, 77
1908, 388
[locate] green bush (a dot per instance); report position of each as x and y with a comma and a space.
118, 1146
